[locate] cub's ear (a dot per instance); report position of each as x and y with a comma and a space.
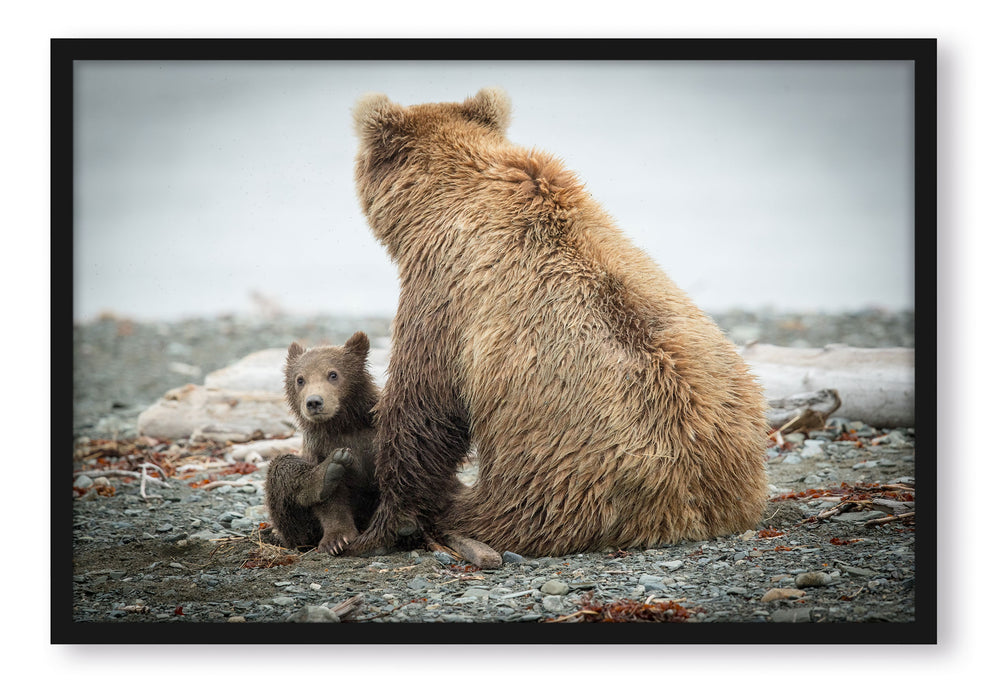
358, 344
295, 350
379, 122
491, 107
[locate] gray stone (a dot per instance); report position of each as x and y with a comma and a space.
283, 600
313, 613
257, 513
554, 587
672, 565
813, 578
511, 558
243, 524
894, 438
791, 615
856, 571
82, 482
517, 594
812, 448
652, 583
418, 584
553, 603
444, 558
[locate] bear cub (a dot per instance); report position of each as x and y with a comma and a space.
326, 495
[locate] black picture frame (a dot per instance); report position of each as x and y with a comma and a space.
922, 52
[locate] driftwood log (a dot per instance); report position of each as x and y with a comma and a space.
876, 384
809, 411
238, 402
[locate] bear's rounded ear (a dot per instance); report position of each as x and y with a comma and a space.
378, 121
295, 350
358, 344
491, 107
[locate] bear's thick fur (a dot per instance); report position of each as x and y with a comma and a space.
326, 495
607, 410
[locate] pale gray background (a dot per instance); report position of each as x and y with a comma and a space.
753, 184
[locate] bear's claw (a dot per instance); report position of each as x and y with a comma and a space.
333, 546
342, 457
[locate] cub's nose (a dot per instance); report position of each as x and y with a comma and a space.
314, 403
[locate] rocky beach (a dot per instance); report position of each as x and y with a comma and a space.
173, 531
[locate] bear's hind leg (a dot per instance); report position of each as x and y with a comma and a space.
337, 522
288, 477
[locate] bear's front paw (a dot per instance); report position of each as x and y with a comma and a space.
334, 543
342, 457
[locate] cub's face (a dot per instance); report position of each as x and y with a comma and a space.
318, 381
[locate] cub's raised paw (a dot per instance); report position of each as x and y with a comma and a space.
342, 456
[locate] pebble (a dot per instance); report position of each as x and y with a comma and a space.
242, 524
812, 448
554, 587
418, 584
313, 613
781, 594
856, 570
791, 615
519, 594
813, 578
652, 583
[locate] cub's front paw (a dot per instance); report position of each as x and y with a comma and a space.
342, 457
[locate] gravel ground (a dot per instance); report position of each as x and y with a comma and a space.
195, 553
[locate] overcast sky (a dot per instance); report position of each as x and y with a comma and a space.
753, 184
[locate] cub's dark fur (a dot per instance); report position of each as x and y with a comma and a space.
325, 496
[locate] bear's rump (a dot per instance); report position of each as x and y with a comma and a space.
588, 443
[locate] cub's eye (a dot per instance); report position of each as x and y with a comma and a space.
300, 381
332, 376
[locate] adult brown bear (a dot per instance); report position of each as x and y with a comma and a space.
606, 408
